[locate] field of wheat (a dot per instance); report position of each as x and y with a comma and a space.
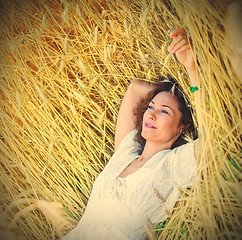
65, 65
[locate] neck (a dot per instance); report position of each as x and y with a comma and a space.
150, 149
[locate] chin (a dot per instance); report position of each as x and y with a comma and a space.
146, 136
143, 135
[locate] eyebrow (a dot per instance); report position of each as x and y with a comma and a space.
163, 105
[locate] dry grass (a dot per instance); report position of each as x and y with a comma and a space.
64, 68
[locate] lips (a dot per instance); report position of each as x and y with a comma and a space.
148, 125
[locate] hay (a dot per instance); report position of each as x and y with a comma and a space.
65, 66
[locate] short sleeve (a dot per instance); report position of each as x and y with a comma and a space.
184, 165
128, 146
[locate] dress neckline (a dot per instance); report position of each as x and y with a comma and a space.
125, 166
142, 167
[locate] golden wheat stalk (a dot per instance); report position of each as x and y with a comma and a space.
65, 66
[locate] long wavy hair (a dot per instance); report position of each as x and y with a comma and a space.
167, 85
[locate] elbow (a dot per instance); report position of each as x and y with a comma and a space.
134, 87
135, 83
140, 87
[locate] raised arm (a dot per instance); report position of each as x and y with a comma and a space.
183, 51
184, 54
136, 91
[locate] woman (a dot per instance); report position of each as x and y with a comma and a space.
150, 162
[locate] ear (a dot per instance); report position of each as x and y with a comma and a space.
180, 129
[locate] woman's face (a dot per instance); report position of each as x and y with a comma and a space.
161, 120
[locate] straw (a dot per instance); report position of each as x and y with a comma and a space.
65, 66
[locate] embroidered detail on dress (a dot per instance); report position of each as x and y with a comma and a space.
167, 163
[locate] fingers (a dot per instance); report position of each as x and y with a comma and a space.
177, 31
184, 48
179, 44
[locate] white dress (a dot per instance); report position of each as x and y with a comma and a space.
118, 207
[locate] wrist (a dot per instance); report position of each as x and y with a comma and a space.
191, 70
193, 76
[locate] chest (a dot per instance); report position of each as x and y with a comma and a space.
134, 166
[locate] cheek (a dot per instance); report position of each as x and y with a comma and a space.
168, 123
144, 116
171, 122
144, 120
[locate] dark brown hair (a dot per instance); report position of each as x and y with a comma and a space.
167, 85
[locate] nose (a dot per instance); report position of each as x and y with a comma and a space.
152, 115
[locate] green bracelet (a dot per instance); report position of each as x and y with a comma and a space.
193, 89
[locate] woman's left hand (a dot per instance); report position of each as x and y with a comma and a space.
182, 48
